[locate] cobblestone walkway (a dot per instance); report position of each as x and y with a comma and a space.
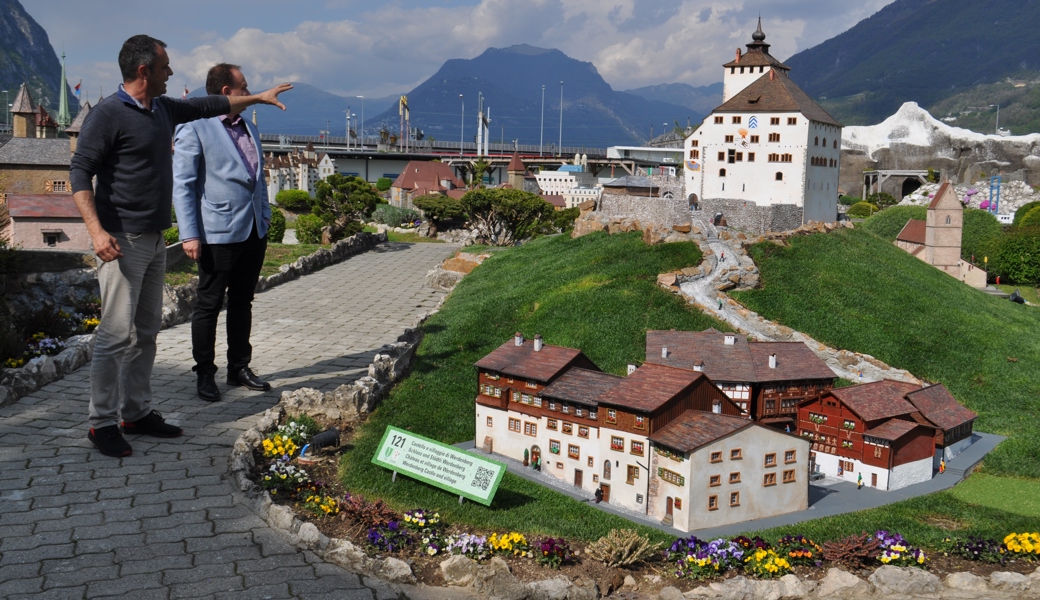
162, 524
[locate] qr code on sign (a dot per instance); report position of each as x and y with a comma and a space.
483, 478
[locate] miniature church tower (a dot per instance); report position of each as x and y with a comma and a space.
64, 116
516, 171
23, 114
943, 227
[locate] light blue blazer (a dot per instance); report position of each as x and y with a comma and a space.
216, 200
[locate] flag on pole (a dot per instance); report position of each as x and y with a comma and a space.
78, 86
185, 96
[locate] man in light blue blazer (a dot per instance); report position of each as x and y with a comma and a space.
223, 214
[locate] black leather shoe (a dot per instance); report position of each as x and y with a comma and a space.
207, 387
246, 378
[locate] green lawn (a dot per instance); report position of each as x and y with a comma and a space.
597, 293
277, 255
1018, 496
853, 290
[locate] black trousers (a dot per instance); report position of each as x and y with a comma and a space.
231, 270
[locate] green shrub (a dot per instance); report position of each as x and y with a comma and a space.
393, 215
861, 210
1017, 259
1023, 211
276, 231
308, 229
172, 236
849, 200
882, 200
981, 231
341, 202
563, 220
1031, 218
384, 183
294, 200
437, 209
888, 223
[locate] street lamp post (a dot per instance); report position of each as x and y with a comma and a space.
541, 127
7, 111
559, 148
327, 133
347, 114
361, 127
462, 125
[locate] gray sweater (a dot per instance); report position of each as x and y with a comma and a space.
130, 151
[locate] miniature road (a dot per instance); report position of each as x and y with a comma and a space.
162, 524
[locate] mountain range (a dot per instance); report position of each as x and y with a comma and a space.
511, 81
26, 56
922, 51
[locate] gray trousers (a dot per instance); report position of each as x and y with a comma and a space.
131, 315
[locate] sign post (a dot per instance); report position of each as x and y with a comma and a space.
440, 465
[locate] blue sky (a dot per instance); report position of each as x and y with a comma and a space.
378, 48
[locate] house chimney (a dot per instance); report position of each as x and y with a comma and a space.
664, 352
537, 343
518, 339
699, 366
631, 369
738, 54
772, 361
772, 74
730, 339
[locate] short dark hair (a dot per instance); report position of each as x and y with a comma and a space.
219, 76
136, 51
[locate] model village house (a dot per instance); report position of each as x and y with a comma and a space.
711, 429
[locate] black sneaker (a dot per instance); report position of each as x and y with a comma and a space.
109, 441
154, 425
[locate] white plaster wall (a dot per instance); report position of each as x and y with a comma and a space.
733, 83
558, 182
503, 441
27, 233
621, 493
821, 185
910, 473
828, 464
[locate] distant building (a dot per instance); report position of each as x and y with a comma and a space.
46, 221
297, 170
937, 239
421, 178
768, 157
565, 179
519, 177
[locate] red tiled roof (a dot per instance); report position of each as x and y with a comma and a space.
581, 385
892, 429
877, 400
775, 92
741, 361
420, 173
555, 199
523, 361
913, 231
939, 406
42, 206
695, 428
649, 387
939, 194
515, 164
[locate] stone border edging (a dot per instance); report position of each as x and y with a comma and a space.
177, 305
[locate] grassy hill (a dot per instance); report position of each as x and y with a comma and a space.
855, 290
598, 293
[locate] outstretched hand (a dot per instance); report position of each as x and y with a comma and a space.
271, 96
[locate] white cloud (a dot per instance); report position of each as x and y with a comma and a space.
380, 48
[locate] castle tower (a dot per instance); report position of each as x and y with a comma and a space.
748, 67
516, 171
64, 116
74, 128
942, 241
23, 114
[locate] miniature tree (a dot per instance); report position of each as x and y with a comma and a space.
341, 201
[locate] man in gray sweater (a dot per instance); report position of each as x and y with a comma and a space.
127, 144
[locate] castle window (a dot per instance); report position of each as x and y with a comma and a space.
816, 141
774, 137
754, 139
751, 157
792, 120
695, 153
694, 143
779, 176
736, 120
722, 172
722, 156
740, 156
774, 120
732, 158
835, 144
947, 220
718, 120
741, 70
729, 139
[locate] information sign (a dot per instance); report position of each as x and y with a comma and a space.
440, 465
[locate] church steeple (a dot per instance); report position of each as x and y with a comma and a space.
758, 40
64, 116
